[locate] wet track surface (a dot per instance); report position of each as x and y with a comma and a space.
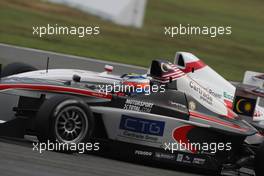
17, 157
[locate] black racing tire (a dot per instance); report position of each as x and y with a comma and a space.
259, 160
59, 116
16, 68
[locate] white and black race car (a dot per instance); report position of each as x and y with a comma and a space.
178, 122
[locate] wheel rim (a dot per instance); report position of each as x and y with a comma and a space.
71, 125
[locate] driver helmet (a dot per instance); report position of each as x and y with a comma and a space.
135, 83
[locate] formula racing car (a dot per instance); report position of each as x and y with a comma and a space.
179, 122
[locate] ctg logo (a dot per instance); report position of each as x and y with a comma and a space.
140, 125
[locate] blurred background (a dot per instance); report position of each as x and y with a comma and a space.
140, 41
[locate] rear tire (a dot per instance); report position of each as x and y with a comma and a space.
16, 68
259, 160
64, 119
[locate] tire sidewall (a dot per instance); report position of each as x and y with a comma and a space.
48, 112
63, 105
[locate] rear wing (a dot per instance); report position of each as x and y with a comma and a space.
249, 101
254, 79
245, 100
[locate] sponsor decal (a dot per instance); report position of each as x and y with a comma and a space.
179, 157
136, 105
178, 106
142, 137
245, 106
187, 159
192, 105
143, 153
145, 126
141, 129
164, 156
215, 94
204, 95
199, 161
228, 96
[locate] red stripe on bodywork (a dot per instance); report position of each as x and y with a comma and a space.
169, 77
53, 88
193, 65
176, 72
180, 135
229, 104
212, 119
230, 114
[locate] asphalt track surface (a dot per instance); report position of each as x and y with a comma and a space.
17, 157
38, 58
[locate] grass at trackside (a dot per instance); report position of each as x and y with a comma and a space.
229, 55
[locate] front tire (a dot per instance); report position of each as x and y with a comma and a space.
16, 68
64, 119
